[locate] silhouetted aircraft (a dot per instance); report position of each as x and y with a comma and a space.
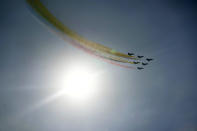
136, 62
130, 54
140, 56
144, 63
140, 68
149, 59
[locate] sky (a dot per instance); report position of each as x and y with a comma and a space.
32, 59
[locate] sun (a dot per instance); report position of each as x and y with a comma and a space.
79, 84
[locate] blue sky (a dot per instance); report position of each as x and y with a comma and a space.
161, 97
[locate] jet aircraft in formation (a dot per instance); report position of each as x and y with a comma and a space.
140, 59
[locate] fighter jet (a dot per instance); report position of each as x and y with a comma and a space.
144, 63
140, 68
149, 59
136, 62
140, 56
130, 54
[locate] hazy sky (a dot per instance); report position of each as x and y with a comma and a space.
160, 98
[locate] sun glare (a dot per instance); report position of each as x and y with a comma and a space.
79, 84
